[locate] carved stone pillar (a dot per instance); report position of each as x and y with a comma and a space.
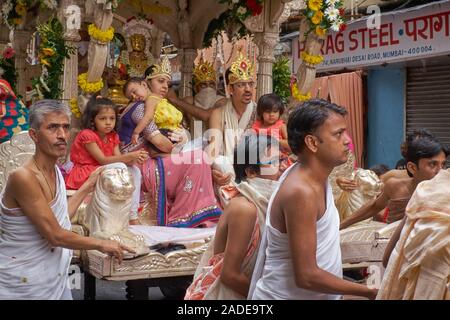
266, 28
266, 42
20, 41
187, 65
72, 16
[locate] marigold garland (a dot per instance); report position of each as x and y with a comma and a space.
89, 86
99, 35
74, 108
297, 95
311, 59
324, 16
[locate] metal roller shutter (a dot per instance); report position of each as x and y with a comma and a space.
428, 100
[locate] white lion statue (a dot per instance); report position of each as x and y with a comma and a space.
107, 214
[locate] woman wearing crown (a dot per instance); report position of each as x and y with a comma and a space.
178, 184
157, 108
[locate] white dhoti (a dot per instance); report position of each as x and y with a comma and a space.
29, 267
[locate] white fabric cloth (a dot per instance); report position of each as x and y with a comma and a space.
137, 178
419, 265
155, 234
29, 267
233, 127
258, 191
273, 277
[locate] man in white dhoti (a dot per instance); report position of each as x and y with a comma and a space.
300, 255
35, 236
231, 119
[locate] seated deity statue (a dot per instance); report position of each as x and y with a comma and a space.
137, 58
116, 80
107, 214
369, 186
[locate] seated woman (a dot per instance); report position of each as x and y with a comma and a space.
179, 184
227, 266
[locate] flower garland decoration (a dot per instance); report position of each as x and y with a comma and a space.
87, 86
324, 15
101, 36
74, 108
296, 94
311, 59
52, 52
7, 68
13, 12
231, 20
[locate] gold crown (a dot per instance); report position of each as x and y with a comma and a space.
204, 72
163, 69
241, 70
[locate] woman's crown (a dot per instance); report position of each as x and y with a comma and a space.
204, 72
241, 70
161, 69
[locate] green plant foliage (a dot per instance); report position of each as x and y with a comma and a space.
281, 78
231, 20
52, 52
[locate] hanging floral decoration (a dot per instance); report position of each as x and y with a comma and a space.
103, 37
231, 20
324, 15
13, 12
311, 59
89, 87
74, 108
52, 52
7, 68
321, 16
297, 95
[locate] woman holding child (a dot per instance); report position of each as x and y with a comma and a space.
181, 191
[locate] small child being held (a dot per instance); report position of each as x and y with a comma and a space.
153, 91
98, 144
269, 110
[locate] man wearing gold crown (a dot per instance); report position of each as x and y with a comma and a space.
199, 107
231, 118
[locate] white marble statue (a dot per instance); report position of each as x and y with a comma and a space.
107, 214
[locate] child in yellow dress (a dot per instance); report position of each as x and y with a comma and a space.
166, 117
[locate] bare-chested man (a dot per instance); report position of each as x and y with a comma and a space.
300, 256
35, 238
425, 156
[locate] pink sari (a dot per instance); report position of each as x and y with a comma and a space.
181, 194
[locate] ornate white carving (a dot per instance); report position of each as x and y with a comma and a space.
291, 8
255, 23
14, 153
152, 265
72, 13
73, 17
